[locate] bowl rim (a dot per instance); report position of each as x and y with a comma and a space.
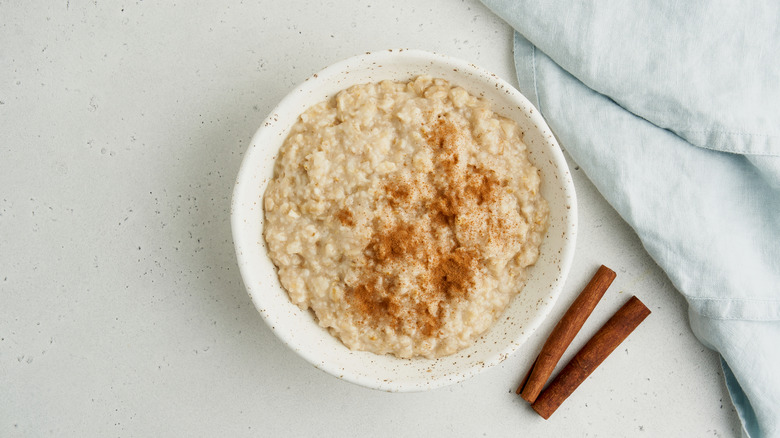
247, 166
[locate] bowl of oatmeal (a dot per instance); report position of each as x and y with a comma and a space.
404, 220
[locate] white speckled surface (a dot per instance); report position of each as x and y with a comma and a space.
122, 126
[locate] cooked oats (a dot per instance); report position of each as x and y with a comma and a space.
405, 215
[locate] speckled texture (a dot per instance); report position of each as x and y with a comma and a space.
123, 311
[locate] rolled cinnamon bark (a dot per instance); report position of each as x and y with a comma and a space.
563, 333
604, 342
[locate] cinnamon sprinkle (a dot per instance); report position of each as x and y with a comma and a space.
452, 275
397, 193
345, 217
444, 270
482, 185
367, 298
394, 244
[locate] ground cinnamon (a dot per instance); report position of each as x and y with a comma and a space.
397, 193
345, 217
604, 342
395, 243
452, 274
447, 270
563, 333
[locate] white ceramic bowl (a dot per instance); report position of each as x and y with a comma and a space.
299, 330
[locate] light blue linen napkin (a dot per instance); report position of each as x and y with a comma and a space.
673, 111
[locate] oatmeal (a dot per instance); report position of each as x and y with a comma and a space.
405, 215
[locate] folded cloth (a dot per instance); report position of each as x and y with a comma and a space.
672, 109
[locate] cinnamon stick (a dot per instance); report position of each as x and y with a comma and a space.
604, 342
563, 333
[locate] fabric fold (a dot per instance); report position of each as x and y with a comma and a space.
707, 71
